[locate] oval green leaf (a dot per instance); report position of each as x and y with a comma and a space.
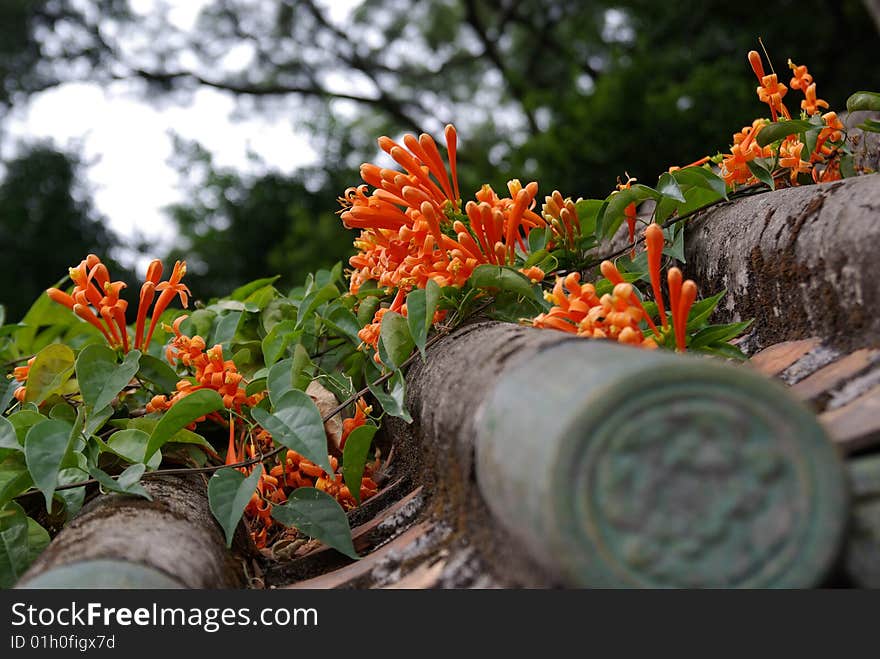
184, 412
297, 424
318, 515
101, 377
45, 447
52, 367
354, 457
21, 540
782, 129
863, 101
228, 494
158, 372
396, 340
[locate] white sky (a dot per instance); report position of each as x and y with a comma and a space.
127, 141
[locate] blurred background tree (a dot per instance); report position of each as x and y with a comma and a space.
572, 93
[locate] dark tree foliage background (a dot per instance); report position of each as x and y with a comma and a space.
572, 93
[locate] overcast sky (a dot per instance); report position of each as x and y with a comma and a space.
127, 141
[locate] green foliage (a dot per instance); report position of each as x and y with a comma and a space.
318, 515
228, 494
186, 411
296, 423
354, 457
21, 540
101, 377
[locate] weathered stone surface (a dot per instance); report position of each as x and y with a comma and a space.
800, 261
856, 425
835, 374
776, 358
175, 535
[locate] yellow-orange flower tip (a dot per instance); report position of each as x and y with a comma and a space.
60, 297
610, 272
757, 65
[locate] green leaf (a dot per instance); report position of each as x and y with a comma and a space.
354, 457
396, 340
863, 101
296, 423
761, 174
74, 498
589, 211
701, 310
14, 477
781, 129
289, 374
101, 377
676, 249
52, 367
21, 541
343, 323
537, 240
726, 350
8, 438
7, 391
131, 445
502, 278
367, 310
158, 372
128, 482
226, 327
275, 343
94, 420
392, 401
610, 220
314, 300
668, 187
243, 292
229, 492
716, 334
45, 449
24, 420
182, 413
318, 515
870, 126
701, 177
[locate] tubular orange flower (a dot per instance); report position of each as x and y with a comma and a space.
169, 289
802, 78
770, 90
612, 274
790, 157
654, 241
811, 104
148, 292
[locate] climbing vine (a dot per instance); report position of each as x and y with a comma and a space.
277, 395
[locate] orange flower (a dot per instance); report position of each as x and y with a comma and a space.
802, 78
169, 289
578, 310
790, 157
95, 298
654, 242
20, 374
770, 90
811, 104
681, 298
560, 213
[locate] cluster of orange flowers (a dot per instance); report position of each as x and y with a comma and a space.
617, 316
211, 372
295, 471
822, 163
96, 300
413, 229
